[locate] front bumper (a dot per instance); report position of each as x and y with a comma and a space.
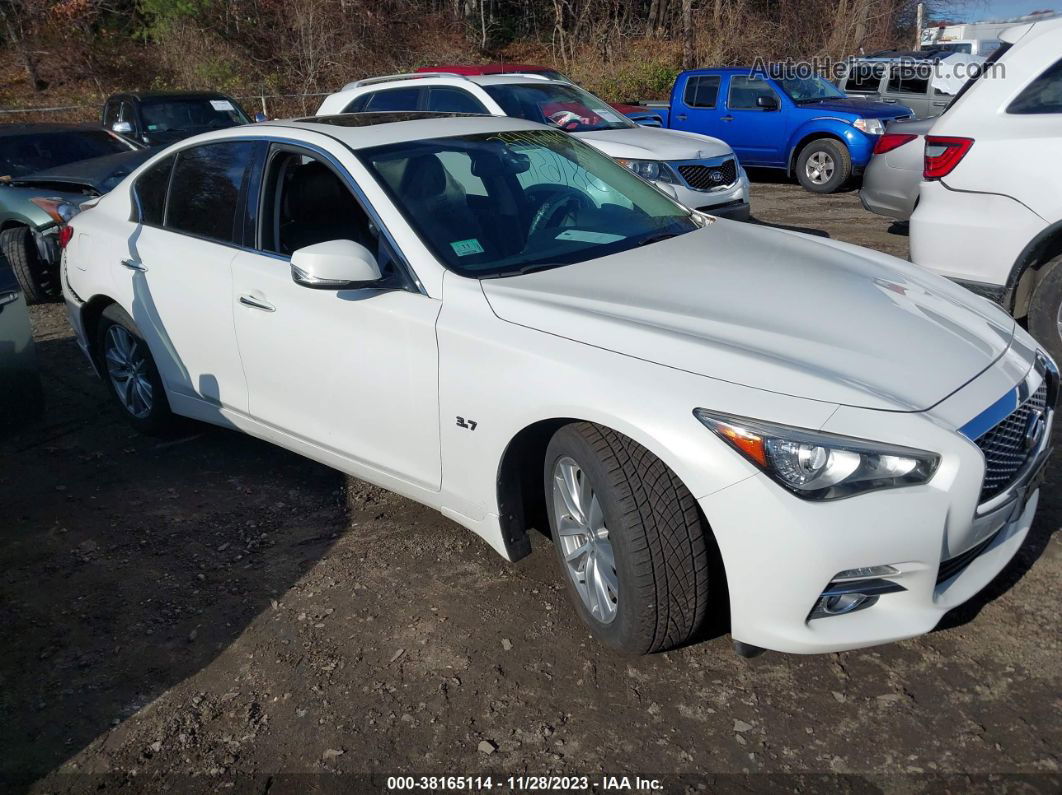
781, 553
727, 201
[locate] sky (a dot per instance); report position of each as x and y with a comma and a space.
1003, 9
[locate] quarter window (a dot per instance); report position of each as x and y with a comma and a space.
150, 191
1042, 95
702, 92
205, 192
744, 91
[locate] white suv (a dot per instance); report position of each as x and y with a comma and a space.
715, 419
989, 213
701, 172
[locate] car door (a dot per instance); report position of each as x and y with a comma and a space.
908, 84
756, 134
698, 109
176, 273
354, 371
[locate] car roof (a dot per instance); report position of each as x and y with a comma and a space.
152, 95
487, 69
363, 130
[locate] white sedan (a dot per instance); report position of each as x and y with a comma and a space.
825, 446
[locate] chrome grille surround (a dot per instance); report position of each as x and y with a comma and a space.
1004, 445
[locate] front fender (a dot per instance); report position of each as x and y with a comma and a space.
860, 145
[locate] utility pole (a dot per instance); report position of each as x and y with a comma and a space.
919, 23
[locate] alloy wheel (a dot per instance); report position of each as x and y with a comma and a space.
127, 367
819, 167
584, 540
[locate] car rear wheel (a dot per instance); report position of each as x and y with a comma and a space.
130, 372
39, 280
630, 540
823, 166
1045, 309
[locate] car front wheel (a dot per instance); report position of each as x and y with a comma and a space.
824, 166
39, 280
1045, 309
630, 540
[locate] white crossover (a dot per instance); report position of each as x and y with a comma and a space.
700, 171
989, 211
824, 446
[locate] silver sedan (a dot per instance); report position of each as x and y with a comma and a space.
890, 182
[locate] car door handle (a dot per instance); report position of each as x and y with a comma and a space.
890, 101
134, 265
681, 117
257, 303
726, 118
940, 104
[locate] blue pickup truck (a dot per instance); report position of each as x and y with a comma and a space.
804, 125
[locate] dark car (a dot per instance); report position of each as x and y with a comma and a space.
46, 171
162, 118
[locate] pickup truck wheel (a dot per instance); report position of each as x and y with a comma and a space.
1045, 309
39, 280
823, 166
130, 372
629, 538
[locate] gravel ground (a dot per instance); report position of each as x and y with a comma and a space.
210, 612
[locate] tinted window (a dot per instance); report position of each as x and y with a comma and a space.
702, 92
395, 99
744, 91
189, 114
909, 80
151, 192
1042, 95
453, 100
24, 154
205, 190
863, 78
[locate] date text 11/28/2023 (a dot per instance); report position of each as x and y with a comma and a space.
522, 783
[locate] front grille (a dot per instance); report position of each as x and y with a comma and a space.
707, 177
1004, 445
952, 566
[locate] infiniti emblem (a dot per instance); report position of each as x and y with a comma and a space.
1034, 429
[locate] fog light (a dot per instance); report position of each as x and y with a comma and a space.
843, 596
845, 603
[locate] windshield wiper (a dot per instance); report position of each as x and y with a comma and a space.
540, 266
656, 238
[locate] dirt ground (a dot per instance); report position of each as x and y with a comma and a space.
212, 613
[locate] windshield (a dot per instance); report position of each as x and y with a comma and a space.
809, 89
167, 115
564, 106
21, 155
504, 203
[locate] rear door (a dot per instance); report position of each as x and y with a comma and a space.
696, 105
757, 135
176, 271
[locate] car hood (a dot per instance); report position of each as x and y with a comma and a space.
860, 107
773, 310
99, 174
653, 143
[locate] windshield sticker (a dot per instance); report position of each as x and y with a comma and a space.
221, 104
586, 236
607, 115
463, 248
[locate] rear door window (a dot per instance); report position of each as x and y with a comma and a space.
206, 190
392, 99
702, 91
1042, 95
863, 78
909, 80
447, 99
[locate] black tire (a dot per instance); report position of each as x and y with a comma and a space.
837, 154
39, 280
1045, 308
657, 538
158, 419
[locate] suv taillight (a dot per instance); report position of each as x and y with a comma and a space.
890, 141
65, 234
943, 153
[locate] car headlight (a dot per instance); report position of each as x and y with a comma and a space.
869, 126
816, 465
652, 170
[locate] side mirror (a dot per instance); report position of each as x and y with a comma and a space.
260, 117
767, 102
334, 265
122, 128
